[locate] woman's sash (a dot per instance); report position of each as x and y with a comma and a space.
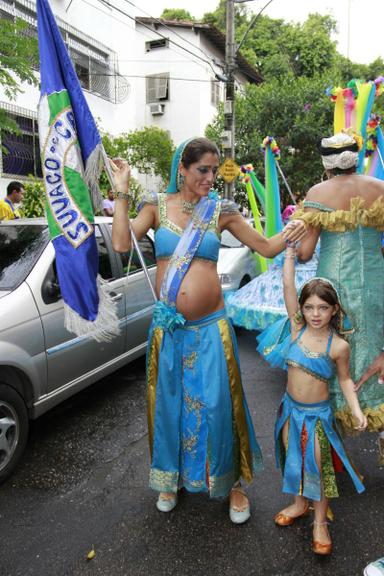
165, 314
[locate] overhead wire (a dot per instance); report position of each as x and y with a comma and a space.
159, 21
106, 3
146, 35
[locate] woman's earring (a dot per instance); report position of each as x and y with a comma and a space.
180, 181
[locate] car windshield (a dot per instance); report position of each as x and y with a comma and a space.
229, 241
20, 247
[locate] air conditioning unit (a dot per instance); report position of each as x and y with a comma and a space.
156, 109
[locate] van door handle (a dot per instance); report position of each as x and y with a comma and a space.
115, 297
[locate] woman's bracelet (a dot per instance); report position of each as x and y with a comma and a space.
121, 196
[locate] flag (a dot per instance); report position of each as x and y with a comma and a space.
71, 156
274, 223
374, 149
246, 172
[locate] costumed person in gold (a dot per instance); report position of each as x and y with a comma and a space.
347, 213
200, 431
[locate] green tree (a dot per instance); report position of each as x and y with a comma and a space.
34, 199
177, 14
18, 60
296, 113
149, 150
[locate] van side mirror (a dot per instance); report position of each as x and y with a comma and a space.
50, 289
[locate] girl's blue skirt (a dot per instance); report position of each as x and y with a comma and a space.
301, 474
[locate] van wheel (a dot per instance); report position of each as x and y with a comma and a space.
244, 281
14, 425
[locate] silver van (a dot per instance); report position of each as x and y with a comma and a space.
41, 363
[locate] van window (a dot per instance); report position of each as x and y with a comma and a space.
20, 248
147, 250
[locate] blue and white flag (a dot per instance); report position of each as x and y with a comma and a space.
71, 158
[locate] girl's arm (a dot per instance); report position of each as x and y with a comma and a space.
268, 247
289, 285
346, 383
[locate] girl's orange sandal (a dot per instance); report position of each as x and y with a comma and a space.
285, 520
319, 547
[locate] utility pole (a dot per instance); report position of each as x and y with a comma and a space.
229, 103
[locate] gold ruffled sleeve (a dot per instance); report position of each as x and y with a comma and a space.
343, 220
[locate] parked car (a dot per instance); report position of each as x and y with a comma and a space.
237, 264
41, 363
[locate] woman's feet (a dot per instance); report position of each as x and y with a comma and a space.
239, 509
166, 501
296, 510
322, 543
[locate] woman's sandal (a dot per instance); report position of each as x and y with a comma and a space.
285, 520
319, 547
239, 515
166, 501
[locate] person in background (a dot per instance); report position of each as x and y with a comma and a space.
15, 192
347, 213
109, 204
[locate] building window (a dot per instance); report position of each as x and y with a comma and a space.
157, 87
20, 153
94, 63
158, 43
215, 92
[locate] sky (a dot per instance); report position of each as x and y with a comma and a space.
360, 22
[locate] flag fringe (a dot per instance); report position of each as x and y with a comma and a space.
106, 325
92, 173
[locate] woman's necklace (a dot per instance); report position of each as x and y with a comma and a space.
187, 207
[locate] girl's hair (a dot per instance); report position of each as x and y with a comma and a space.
325, 291
195, 149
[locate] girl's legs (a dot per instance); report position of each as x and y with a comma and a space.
320, 525
300, 504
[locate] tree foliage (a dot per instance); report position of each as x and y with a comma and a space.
297, 62
18, 60
33, 199
149, 150
177, 14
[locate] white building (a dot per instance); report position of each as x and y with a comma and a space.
134, 71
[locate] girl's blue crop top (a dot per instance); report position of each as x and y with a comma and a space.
318, 364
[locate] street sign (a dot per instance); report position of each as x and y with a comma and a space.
229, 170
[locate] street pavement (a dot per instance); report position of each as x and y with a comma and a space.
82, 486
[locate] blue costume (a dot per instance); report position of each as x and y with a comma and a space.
301, 474
261, 302
200, 431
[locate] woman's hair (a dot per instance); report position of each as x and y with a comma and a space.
324, 290
340, 171
195, 149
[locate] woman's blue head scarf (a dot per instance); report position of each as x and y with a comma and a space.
173, 184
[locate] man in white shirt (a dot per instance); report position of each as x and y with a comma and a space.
109, 204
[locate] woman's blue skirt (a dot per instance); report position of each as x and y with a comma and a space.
301, 474
200, 431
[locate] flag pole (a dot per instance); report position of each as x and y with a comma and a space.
285, 182
134, 239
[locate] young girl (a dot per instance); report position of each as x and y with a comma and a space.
309, 449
